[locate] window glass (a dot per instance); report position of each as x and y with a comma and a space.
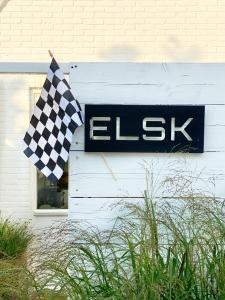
52, 195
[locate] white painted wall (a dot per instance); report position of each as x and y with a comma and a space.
92, 185
17, 174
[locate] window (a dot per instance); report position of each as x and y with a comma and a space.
49, 198
52, 195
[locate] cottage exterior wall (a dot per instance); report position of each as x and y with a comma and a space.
148, 31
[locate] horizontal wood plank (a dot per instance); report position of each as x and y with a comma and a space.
164, 93
137, 83
103, 212
135, 163
149, 73
134, 185
124, 175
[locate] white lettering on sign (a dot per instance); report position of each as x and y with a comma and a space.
119, 137
101, 128
123, 138
147, 128
181, 129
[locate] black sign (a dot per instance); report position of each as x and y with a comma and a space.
144, 128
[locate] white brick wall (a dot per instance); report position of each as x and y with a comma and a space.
15, 196
109, 30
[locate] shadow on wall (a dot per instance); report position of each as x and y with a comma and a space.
176, 51
120, 53
3, 4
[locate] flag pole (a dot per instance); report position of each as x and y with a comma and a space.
50, 53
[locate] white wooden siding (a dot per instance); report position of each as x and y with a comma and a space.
91, 181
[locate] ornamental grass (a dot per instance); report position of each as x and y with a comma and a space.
159, 248
15, 239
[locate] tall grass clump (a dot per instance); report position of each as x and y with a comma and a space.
161, 248
15, 239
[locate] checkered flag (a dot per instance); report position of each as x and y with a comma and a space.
56, 116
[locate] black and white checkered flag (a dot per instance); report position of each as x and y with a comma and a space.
56, 116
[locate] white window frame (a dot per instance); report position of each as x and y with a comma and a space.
34, 95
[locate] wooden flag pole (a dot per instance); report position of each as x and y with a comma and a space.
50, 53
